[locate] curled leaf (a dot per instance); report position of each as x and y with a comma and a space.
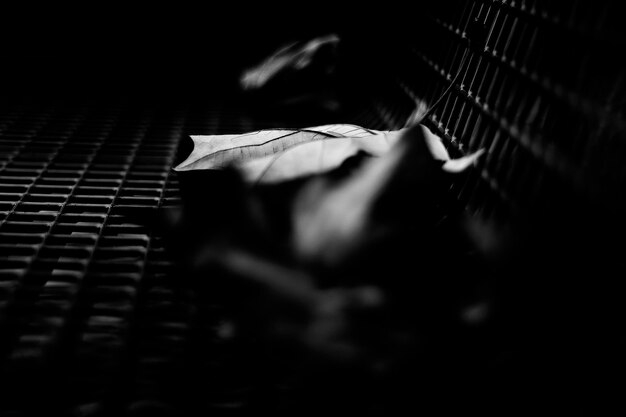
333, 218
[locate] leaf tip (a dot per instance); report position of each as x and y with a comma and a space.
461, 164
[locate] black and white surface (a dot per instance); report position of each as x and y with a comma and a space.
96, 106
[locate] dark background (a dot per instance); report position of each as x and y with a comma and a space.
159, 50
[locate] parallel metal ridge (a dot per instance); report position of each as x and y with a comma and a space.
71, 265
90, 319
541, 89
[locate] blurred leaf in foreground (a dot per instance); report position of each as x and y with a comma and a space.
334, 217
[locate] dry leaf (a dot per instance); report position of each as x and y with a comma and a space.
290, 298
270, 156
332, 219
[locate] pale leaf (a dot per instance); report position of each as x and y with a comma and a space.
269, 156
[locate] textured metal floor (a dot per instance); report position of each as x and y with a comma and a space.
89, 322
72, 268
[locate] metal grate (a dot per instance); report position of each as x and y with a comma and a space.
90, 320
540, 88
72, 265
